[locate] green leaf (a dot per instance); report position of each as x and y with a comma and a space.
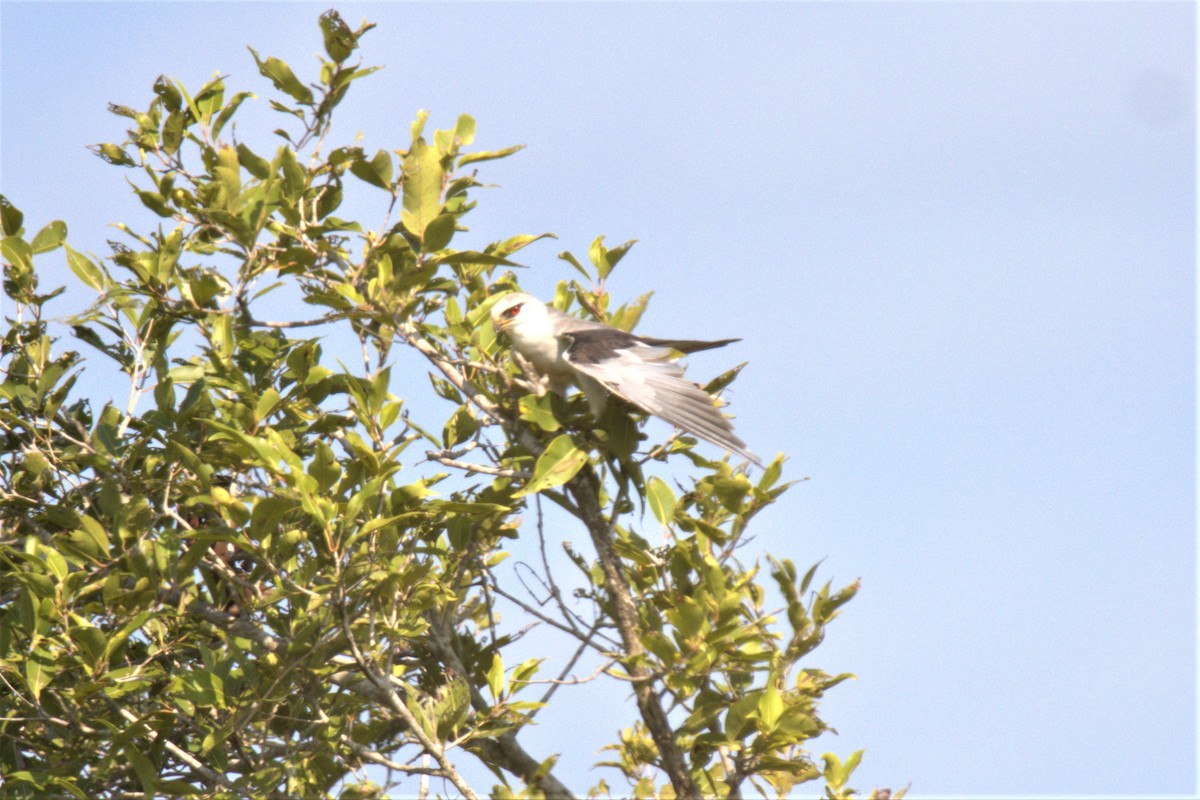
340, 41
688, 617
229, 172
50, 237
210, 97
514, 243
39, 671
266, 404
615, 254
523, 672
172, 132
574, 262
557, 464
459, 428
423, 177
662, 499
17, 251
488, 155
539, 411
838, 773
851, 763
56, 563
495, 676
464, 130
255, 164
598, 254
91, 640
439, 232
166, 90
377, 171
10, 217
227, 113
282, 76
770, 707
113, 154
627, 316
91, 538
147, 773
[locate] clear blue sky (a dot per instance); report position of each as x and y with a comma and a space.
958, 241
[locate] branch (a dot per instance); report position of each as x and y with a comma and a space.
480, 468
504, 749
207, 774
444, 365
629, 626
393, 701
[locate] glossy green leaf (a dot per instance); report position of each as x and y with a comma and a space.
210, 98
557, 464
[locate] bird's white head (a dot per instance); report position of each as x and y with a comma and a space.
521, 315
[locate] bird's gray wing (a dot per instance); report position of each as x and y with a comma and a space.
644, 375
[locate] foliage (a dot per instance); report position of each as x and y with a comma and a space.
265, 574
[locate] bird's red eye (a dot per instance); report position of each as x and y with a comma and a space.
512, 312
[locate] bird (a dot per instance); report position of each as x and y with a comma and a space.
600, 359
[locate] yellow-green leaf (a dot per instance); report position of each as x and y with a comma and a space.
422, 187
557, 464
496, 676
488, 155
84, 268
661, 499
770, 707
49, 237
39, 671
538, 411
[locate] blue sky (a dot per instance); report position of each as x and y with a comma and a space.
958, 241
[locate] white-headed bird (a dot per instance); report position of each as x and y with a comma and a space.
600, 359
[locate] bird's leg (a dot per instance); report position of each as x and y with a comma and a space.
536, 382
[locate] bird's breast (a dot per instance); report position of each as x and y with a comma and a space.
545, 353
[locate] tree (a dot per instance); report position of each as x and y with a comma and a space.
244, 583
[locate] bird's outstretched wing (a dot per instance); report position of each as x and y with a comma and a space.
643, 374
